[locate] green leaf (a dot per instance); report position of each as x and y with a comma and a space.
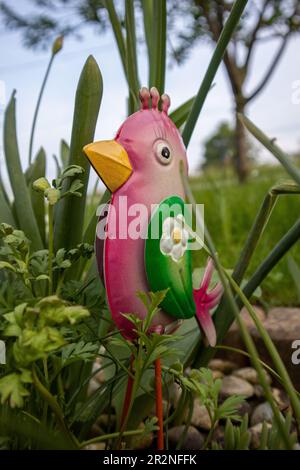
57, 311
180, 114
69, 217
159, 42
13, 390
80, 351
38, 170
225, 36
64, 153
269, 144
131, 56
32, 345
23, 204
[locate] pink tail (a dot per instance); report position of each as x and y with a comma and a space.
206, 300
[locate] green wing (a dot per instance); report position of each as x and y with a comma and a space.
163, 272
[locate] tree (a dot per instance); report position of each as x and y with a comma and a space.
188, 22
219, 148
262, 21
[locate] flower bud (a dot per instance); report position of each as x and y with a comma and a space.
57, 45
52, 195
41, 185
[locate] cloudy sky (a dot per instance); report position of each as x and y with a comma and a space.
23, 70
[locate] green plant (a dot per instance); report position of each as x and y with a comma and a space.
53, 313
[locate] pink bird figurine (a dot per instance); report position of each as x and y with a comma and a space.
141, 168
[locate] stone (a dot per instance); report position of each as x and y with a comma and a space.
200, 417
255, 432
250, 374
92, 387
244, 408
258, 391
222, 365
232, 385
217, 374
142, 442
283, 326
281, 398
261, 413
194, 439
233, 337
96, 446
174, 393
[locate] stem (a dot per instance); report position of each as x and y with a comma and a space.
235, 311
128, 393
269, 144
38, 107
159, 406
105, 437
216, 59
287, 383
50, 399
51, 242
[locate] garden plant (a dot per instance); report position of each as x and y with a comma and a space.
55, 322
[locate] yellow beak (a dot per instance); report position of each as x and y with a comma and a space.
110, 161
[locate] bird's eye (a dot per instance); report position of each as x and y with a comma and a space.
163, 153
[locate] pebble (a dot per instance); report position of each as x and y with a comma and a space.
194, 439
96, 446
281, 398
250, 374
232, 385
200, 416
261, 413
256, 434
222, 365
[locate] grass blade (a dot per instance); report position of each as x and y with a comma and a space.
117, 30
147, 7
180, 114
159, 41
270, 145
70, 211
277, 361
38, 170
295, 273
132, 67
23, 205
5, 210
216, 59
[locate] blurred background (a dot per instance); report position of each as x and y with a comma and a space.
28, 28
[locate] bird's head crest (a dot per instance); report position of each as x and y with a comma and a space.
153, 95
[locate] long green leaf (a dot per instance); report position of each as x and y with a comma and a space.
216, 59
23, 205
147, 7
117, 30
159, 40
223, 317
234, 309
131, 65
5, 210
38, 170
69, 217
270, 145
180, 114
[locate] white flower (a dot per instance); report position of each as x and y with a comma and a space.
174, 239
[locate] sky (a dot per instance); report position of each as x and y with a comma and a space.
274, 111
